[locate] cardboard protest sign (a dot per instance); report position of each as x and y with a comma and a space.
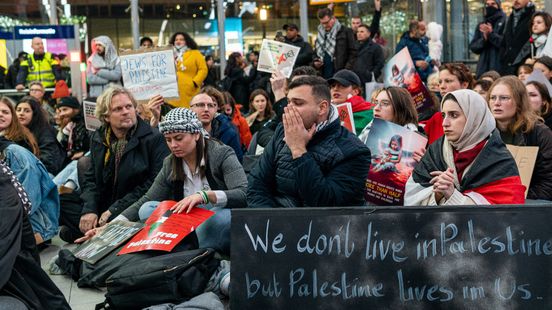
525, 157
392, 147
456, 257
401, 72
165, 229
148, 72
90, 120
345, 111
114, 234
275, 55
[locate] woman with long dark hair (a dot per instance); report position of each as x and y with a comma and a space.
191, 69
540, 101
260, 110
30, 171
239, 88
31, 115
200, 172
12, 129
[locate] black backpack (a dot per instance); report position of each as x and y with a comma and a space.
171, 278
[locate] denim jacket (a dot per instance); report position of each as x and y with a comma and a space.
39, 186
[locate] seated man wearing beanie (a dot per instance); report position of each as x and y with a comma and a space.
75, 137
125, 156
311, 161
346, 87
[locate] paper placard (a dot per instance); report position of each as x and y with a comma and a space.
148, 72
90, 120
345, 112
525, 157
165, 229
114, 234
401, 72
392, 148
275, 55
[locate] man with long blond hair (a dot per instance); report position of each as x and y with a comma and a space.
125, 156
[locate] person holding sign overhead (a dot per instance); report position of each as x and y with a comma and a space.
469, 165
519, 125
191, 68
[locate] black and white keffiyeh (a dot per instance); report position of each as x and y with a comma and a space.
180, 120
326, 40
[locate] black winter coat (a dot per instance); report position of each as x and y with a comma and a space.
488, 50
345, 49
140, 164
513, 41
332, 172
541, 181
369, 60
240, 86
51, 151
305, 53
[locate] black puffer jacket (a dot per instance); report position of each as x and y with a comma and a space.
331, 173
140, 164
541, 181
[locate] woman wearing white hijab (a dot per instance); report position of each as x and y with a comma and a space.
468, 165
104, 66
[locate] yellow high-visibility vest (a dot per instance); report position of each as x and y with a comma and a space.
41, 70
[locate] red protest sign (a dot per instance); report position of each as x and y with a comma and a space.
165, 229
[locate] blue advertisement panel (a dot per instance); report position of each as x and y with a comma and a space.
46, 32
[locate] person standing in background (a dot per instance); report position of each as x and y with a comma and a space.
104, 66
191, 69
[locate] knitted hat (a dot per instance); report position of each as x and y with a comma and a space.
61, 90
69, 101
180, 120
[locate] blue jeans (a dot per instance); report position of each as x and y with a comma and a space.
213, 233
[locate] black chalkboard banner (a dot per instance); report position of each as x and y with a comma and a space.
392, 258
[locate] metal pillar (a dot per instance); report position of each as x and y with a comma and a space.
221, 18
78, 82
53, 12
304, 19
135, 23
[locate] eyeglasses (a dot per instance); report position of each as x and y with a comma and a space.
500, 98
202, 105
382, 103
35, 90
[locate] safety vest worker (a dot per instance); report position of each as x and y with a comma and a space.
39, 66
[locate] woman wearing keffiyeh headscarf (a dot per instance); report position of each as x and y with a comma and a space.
470, 164
103, 67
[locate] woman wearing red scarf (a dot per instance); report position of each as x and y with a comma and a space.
468, 165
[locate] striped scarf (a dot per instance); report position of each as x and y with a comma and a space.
325, 41
117, 148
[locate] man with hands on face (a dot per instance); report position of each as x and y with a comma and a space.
311, 160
